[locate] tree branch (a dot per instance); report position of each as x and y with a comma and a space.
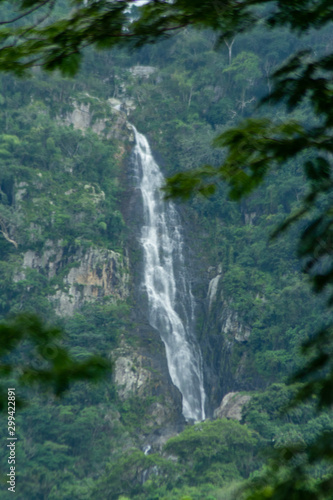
26, 13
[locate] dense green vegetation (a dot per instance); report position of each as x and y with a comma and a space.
260, 279
69, 189
51, 197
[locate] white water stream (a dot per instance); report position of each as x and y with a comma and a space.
170, 301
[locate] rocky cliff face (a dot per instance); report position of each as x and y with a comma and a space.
232, 405
223, 334
87, 275
113, 125
143, 371
77, 272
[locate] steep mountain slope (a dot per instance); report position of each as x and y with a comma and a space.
70, 249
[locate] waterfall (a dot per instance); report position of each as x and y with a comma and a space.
170, 301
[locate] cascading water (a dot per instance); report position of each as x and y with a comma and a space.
170, 301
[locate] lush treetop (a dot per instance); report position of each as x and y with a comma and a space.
53, 33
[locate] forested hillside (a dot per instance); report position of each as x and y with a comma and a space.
70, 251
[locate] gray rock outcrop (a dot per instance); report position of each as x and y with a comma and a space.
232, 405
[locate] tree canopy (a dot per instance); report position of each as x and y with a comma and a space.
53, 34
